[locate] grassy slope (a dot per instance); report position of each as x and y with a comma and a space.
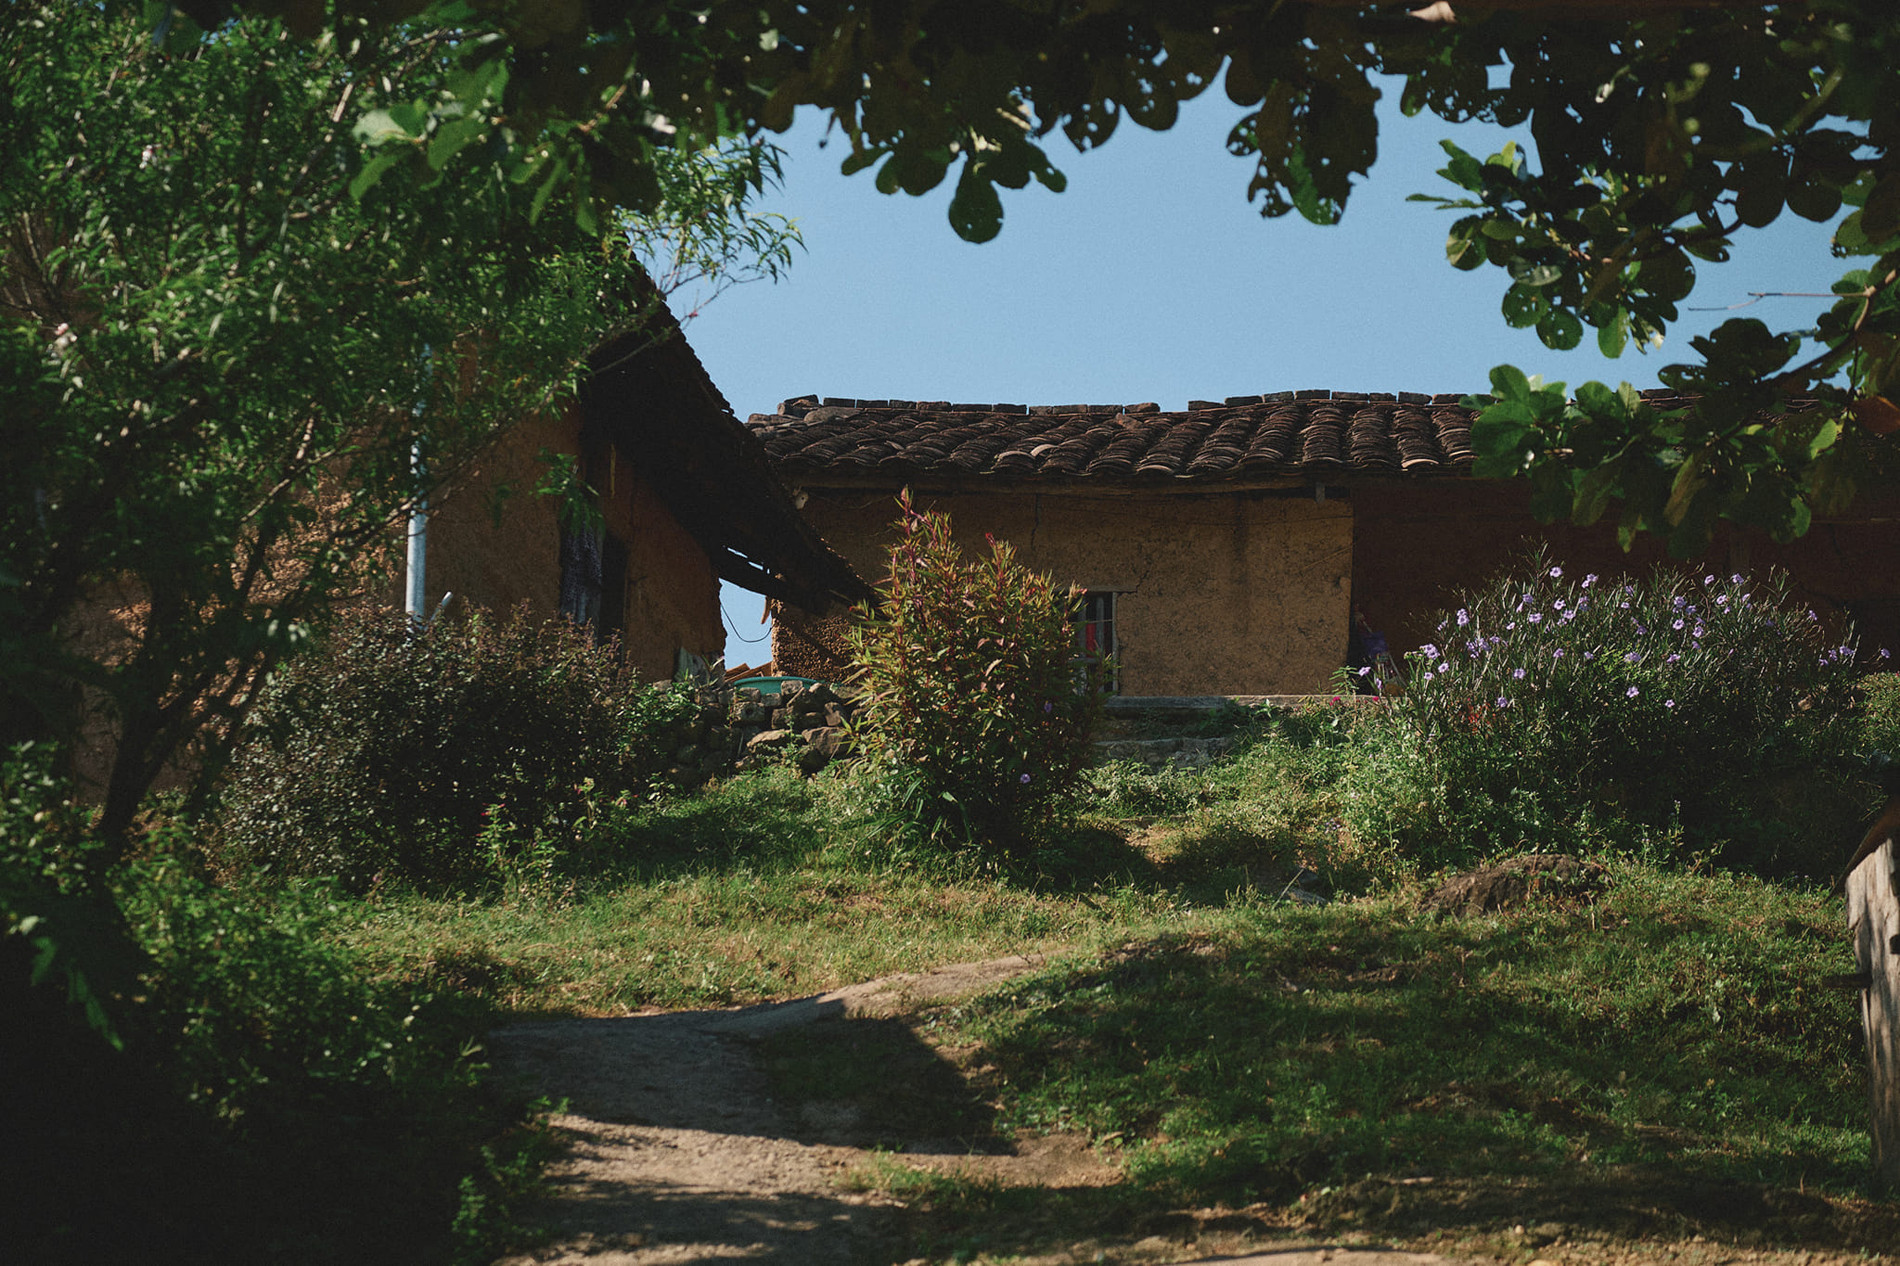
1624, 1069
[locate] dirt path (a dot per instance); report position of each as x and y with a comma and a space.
682, 1156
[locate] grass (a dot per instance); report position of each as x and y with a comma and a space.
1666, 1062
761, 888
1277, 1049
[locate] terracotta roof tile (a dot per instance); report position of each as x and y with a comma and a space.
1293, 434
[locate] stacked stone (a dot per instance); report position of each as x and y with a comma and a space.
705, 747
808, 725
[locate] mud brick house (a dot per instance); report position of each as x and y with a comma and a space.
686, 497
1227, 549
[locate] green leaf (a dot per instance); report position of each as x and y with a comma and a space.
1594, 491
373, 171
1523, 307
1560, 329
376, 126
1880, 217
1691, 478
1509, 383
1614, 335
976, 213
452, 137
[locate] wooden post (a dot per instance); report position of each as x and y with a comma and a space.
1873, 916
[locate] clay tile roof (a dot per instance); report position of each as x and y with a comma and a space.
1312, 434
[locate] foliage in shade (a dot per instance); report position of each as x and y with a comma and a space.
424, 755
978, 711
1703, 703
208, 1075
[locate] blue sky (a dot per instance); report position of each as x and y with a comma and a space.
1152, 278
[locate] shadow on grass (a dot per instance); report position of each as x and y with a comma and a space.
1675, 1066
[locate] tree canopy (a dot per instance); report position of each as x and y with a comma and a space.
230, 361
1659, 132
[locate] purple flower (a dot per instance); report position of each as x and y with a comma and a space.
1426, 677
1510, 626
1365, 670
1429, 651
1556, 572
1503, 702
1632, 657
1023, 779
1672, 659
1558, 653
1736, 579
1721, 599
1885, 653
1642, 628
1677, 625
1048, 707
1677, 604
1698, 631
1708, 580
1464, 617
1631, 693
1589, 580
1518, 673
1443, 666
1571, 614
1669, 703
1537, 617
1624, 604
1588, 656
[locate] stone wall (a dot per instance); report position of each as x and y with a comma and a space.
745, 728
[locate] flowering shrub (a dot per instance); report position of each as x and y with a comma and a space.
1701, 702
974, 711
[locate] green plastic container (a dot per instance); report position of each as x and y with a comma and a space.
772, 685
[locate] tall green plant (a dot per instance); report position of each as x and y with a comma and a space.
974, 701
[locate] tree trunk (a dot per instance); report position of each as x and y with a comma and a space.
1873, 916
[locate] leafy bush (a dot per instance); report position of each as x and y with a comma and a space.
1560, 710
206, 1073
438, 756
974, 713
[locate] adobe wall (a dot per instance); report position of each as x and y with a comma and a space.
1419, 545
1217, 595
498, 555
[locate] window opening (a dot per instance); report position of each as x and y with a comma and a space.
1093, 619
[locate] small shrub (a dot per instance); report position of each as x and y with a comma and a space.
1561, 710
975, 715
405, 754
